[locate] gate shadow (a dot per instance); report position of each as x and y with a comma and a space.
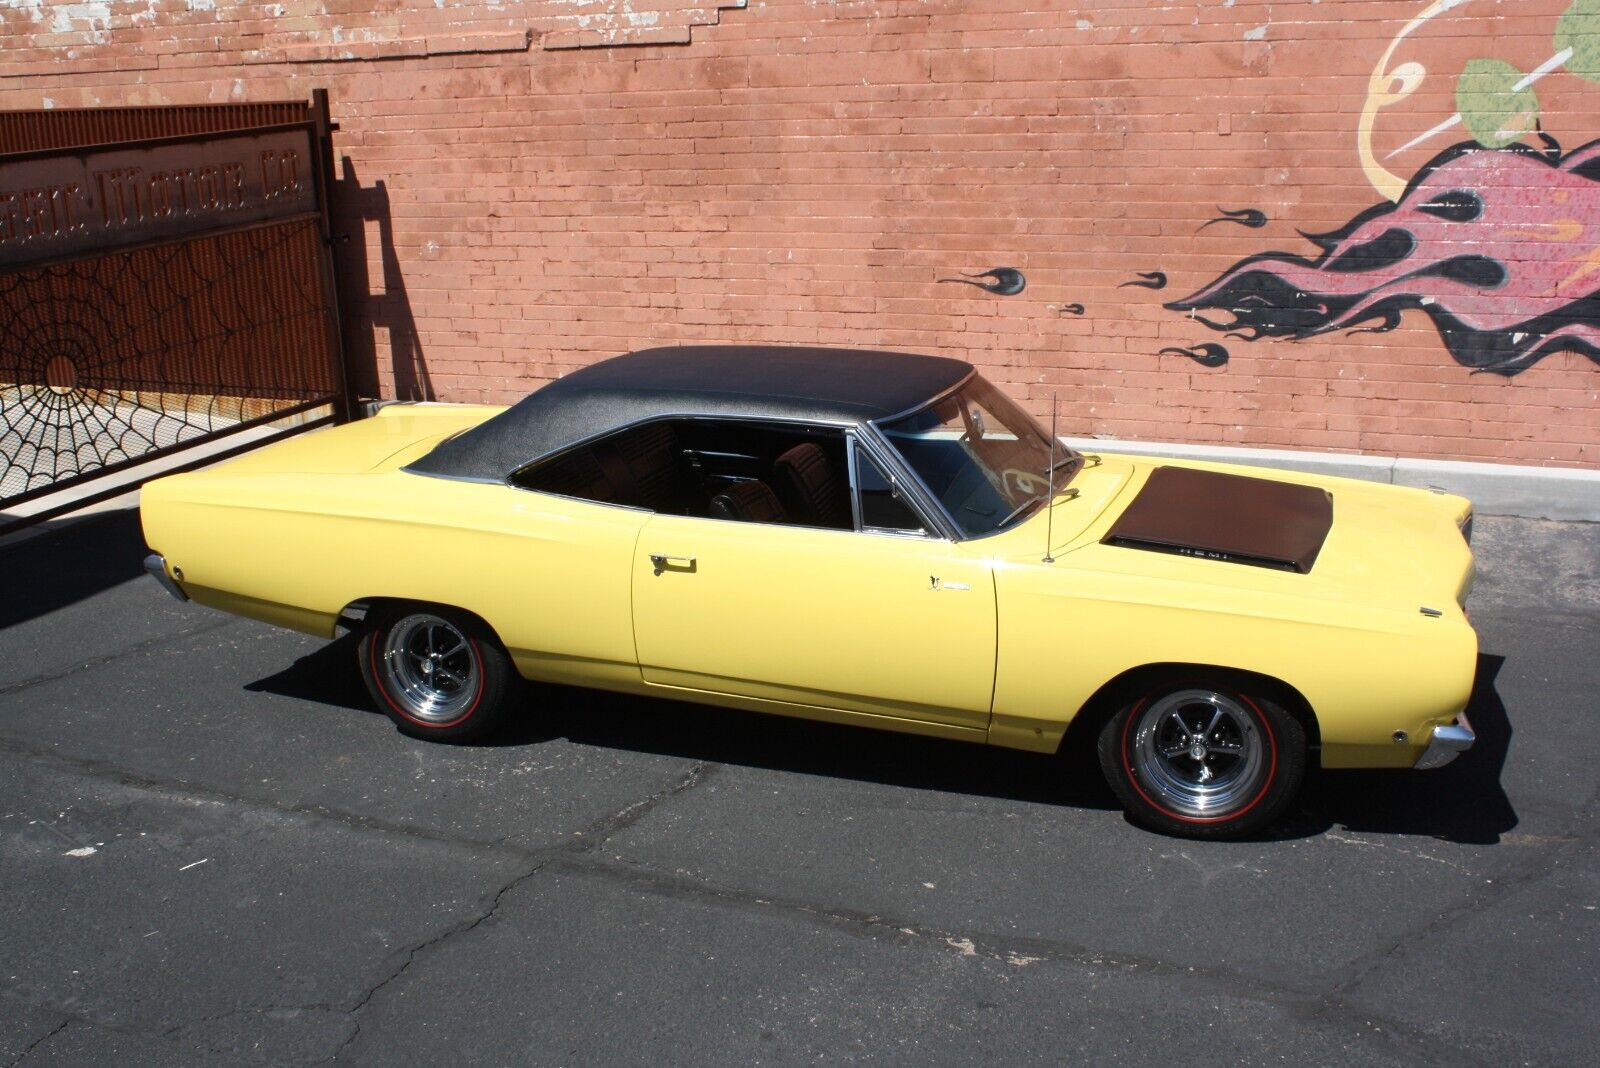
364, 311
71, 561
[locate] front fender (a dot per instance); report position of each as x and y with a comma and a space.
1366, 672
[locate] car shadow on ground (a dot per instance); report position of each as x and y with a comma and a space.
1462, 803
330, 676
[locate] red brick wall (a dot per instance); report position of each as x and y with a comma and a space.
533, 186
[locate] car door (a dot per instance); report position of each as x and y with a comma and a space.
887, 624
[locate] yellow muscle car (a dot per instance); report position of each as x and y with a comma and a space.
859, 537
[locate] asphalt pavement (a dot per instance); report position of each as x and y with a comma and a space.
212, 850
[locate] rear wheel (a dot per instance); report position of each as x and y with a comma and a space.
1201, 760
437, 673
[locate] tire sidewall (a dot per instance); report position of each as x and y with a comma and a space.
1280, 781
493, 671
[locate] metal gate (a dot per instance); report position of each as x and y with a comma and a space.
166, 293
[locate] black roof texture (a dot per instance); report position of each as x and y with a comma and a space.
729, 381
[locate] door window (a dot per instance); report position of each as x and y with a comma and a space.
882, 508
740, 470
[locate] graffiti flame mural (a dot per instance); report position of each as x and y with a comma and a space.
1499, 247
1496, 241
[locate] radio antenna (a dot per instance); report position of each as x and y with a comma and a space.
1050, 482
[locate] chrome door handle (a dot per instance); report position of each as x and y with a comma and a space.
662, 561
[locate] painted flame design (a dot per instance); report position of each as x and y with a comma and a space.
1499, 247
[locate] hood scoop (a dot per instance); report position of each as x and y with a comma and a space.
1233, 518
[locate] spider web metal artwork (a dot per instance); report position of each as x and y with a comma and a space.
108, 360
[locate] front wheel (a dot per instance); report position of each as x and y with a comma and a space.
1203, 761
436, 673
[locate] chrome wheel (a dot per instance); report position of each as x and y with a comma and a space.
431, 668
1199, 752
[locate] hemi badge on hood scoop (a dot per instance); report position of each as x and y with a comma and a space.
1238, 519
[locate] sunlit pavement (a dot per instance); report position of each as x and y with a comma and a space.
211, 850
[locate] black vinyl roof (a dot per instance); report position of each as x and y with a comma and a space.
728, 381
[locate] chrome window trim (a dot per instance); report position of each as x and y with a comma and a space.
918, 497
903, 535
592, 438
675, 418
932, 501
721, 454
939, 524
846, 430
855, 483
871, 532
641, 509
508, 484
928, 531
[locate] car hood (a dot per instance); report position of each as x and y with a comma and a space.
1399, 546
1274, 533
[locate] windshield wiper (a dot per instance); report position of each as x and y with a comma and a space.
1068, 492
1019, 509
1071, 457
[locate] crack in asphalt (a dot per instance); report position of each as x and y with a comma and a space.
182, 790
583, 854
1014, 951
100, 661
409, 955
603, 830
586, 841
1576, 834
41, 1040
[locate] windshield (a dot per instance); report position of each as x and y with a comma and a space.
984, 458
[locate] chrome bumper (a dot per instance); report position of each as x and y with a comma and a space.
1447, 743
156, 564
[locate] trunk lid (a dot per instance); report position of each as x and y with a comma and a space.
397, 434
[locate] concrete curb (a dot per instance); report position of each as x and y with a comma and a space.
1564, 493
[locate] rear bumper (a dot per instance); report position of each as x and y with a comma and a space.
1447, 743
156, 564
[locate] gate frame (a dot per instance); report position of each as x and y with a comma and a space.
319, 126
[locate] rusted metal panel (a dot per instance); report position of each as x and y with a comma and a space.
64, 203
159, 294
34, 131
117, 359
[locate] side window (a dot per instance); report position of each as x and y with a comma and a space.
741, 470
640, 467
881, 506
784, 474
